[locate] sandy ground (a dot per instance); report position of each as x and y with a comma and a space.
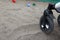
19, 22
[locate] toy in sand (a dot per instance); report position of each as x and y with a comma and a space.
14, 1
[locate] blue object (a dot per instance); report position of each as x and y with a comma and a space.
28, 4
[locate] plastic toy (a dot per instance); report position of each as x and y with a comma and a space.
28, 4
34, 4
14, 1
46, 20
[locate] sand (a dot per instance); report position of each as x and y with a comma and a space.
19, 22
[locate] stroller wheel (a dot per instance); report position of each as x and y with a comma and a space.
47, 26
58, 20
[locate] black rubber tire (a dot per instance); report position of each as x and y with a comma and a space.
49, 22
58, 20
